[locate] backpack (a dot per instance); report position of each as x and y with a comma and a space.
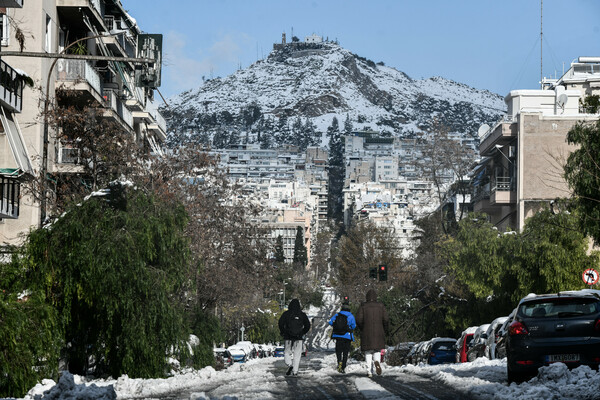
340, 325
295, 327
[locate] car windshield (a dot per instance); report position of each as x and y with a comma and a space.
559, 307
444, 346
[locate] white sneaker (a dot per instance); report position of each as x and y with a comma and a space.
369, 374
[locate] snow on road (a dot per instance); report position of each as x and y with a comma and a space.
265, 378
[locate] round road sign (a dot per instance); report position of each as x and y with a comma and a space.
590, 276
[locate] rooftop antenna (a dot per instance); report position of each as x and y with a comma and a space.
541, 44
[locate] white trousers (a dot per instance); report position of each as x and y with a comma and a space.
370, 357
292, 353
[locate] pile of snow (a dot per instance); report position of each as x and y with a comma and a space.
487, 379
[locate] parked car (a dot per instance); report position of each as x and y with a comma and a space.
440, 351
278, 352
463, 342
420, 354
549, 328
304, 349
411, 353
477, 346
222, 357
492, 337
398, 354
249, 347
237, 354
502, 335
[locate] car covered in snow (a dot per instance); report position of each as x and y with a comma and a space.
502, 335
551, 328
492, 337
477, 346
440, 351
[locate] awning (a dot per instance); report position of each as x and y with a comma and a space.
16, 141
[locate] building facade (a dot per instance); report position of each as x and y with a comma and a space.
120, 90
523, 154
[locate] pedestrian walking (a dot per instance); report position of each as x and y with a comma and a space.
372, 319
293, 325
343, 324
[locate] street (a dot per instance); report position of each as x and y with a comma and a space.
317, 379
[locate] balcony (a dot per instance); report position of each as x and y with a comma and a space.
503, 192
11, 88
80, 76
9, 195
116, 110
70, 13
502, 133
119, 43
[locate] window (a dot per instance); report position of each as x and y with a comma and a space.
48, 41
5, 30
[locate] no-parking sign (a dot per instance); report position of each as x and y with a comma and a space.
590, 276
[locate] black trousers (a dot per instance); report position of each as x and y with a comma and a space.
342, 347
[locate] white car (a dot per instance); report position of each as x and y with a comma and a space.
492, 337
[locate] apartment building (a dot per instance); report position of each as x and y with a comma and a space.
393, 204
15, 164
524, 153
122, 91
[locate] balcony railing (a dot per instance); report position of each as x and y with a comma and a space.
503, 119
11, 87
111, 100
79, 70
504, 183
9, 197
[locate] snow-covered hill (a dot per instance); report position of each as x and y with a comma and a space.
321, 80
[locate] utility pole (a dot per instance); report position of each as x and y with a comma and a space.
541, 44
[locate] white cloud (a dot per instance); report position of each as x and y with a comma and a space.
186, 62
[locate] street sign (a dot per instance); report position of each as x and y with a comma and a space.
590, 276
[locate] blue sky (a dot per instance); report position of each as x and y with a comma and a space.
487, 44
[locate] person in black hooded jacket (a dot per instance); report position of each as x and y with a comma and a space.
293, 325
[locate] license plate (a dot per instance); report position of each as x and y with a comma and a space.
562, 358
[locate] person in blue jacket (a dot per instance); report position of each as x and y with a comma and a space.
343, 335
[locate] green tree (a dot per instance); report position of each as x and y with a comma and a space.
279, 255
582, 173
337, 171
29, 330
300, 256
114, 268
493, 270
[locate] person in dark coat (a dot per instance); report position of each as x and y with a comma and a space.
373, 321
343, 341
293, 325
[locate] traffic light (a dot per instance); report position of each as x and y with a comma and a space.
382, 273
373, 273
346, 300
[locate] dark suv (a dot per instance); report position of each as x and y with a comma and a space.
562, 327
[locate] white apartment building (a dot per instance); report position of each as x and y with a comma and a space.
393, 204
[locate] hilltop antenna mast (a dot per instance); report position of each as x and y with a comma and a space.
541, 44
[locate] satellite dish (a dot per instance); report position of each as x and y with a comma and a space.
483, 129
562, 100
